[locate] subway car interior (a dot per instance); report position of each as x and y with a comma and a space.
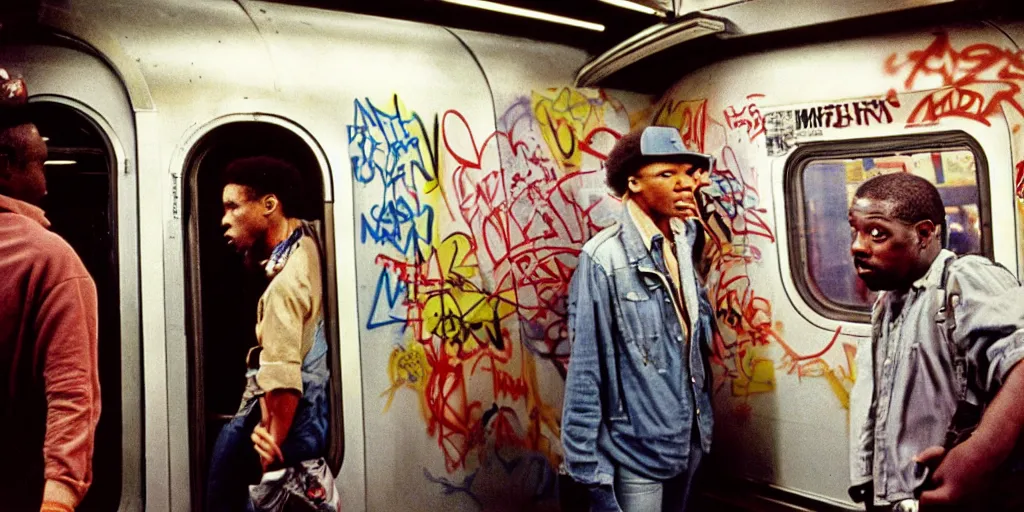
452, 158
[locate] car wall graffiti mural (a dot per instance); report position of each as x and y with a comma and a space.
474, 237
749, 347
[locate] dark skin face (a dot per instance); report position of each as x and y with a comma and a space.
21, 172
247, 218
889, 253
666, 190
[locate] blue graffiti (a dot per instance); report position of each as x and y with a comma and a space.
392, 309
449, 487
509, 479
394, 152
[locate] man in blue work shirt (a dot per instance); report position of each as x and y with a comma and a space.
637, 413
947, 334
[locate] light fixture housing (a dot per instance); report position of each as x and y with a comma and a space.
633, 6
528, 13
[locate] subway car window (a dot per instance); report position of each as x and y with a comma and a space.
82, 207
826, 180
224, 294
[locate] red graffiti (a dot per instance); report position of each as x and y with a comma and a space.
977, 80
690, 117
1019, 180
531, 221
748, 117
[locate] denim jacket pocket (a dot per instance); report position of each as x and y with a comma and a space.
641, 317
632, 299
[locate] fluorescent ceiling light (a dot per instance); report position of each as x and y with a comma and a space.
528, 13
60, 162
633, 6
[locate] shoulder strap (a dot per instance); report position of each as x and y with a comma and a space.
946, 318
967, 415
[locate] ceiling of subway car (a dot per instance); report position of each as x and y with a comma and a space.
621, 34
605, 22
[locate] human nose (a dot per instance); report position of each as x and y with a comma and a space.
683, 183
858, 246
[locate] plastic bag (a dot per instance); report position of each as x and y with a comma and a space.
308, 486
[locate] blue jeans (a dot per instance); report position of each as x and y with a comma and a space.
635, 493
234, 463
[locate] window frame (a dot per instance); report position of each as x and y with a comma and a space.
796, 215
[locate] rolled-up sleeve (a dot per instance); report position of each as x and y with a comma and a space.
990, 321
284, 309
590, 322
67, 324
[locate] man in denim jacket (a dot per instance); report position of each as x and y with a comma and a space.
907, 390
637, 414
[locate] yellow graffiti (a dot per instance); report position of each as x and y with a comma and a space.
757, 375
407, 367
566, 118
689, 117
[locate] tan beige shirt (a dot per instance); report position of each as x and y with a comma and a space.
648, 230
287, 318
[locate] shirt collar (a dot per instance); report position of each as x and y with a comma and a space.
22, 208
279, 256
934, 275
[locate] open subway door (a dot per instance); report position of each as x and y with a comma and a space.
91, 203
795, 132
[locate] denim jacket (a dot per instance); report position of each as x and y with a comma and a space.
904, 396
635, 388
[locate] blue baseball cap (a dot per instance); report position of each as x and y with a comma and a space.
653, 144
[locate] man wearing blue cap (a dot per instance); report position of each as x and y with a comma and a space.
637, 416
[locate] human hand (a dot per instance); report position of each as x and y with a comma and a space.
957, 474
266, 447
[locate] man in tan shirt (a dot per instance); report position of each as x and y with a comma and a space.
289, 382
49, 389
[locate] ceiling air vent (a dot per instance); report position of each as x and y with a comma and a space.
649, 42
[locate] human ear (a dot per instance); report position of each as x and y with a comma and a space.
634, 185
925, 230
270, 204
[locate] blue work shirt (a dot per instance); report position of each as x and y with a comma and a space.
906, 392
636, 387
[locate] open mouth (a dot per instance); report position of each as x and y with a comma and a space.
683, 204
863, 269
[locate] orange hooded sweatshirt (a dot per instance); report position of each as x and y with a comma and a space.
49, 386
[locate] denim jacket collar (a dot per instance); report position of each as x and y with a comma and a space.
637, 249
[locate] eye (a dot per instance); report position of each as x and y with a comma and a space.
877, 233
666, 174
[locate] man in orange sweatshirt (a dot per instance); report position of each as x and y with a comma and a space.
49, 386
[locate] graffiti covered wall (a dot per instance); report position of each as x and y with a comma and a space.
474, 235
975, 81
750, 346
468, 234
